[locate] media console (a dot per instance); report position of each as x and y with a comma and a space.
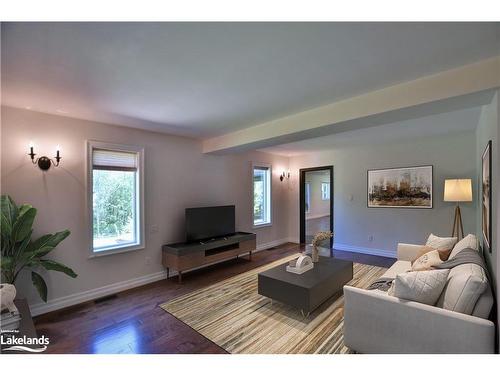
188, 255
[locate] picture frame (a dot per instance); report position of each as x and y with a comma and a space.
402, 187
486, 196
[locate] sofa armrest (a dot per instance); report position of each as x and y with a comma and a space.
408, 251
378, 323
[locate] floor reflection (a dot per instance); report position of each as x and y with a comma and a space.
120, 339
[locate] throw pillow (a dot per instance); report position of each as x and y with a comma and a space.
426, 261
421, 286
466, 283
441, 243
443, 254
469, 241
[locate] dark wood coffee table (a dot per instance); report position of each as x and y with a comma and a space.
308, 290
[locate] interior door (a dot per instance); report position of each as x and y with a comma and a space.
316, 203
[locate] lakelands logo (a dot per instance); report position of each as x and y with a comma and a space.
23, 343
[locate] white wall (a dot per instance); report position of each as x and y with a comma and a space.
177, 175
453, 156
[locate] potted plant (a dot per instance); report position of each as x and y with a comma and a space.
20, 251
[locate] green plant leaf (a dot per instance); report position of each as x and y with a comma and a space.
23, 209
6, 226
8, 208
6, 262
40, 285
21, 246
23, 224
52, 265
49, 240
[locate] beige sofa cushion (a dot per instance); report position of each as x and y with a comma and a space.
484, 304
469, 241
400, 266
466, 283
421, 286
441, 243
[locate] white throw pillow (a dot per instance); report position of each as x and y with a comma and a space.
466, 283
469, 241
427, 261
441, 243
421, 286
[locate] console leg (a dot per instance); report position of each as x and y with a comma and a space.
180, 277
250, 255
168, 269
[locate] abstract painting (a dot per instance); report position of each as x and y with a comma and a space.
409, 187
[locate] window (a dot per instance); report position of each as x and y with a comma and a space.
261, 195
308, 197
325, 191
116, 198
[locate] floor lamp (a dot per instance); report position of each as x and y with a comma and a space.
458, 191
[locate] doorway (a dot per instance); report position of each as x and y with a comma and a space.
316, 203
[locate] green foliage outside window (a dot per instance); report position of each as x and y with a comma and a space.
113, 202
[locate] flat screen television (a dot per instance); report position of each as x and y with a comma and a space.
204, 223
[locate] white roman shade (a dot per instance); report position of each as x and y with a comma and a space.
114, 160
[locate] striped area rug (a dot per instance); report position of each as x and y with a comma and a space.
233, 315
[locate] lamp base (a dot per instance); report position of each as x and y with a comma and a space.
458, 228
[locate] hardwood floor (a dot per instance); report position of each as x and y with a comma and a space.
132, 321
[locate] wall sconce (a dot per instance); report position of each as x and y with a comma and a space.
284, 174
44, 162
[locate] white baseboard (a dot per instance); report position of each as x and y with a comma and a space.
89, 295
274, 243
365, 250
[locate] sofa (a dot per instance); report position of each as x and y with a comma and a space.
377, 322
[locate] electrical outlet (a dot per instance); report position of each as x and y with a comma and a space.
147, 260
370, 238
154, 228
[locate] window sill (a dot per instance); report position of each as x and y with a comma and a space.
117, 250
257, 226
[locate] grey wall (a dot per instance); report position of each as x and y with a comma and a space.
453, 156
177, 175
487, 129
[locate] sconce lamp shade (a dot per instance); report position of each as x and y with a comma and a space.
458, 190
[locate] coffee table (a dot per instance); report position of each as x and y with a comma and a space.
308, 290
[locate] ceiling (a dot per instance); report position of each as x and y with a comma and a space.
434, 125
207, 79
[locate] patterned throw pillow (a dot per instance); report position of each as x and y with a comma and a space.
443, 254
421, 286
426, 261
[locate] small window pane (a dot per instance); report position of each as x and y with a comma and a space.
325, 191
114, 209
261, 195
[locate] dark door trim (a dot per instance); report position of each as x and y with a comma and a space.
302, 200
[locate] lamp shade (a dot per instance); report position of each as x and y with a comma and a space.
458, 190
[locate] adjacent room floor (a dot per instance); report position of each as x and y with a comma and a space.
133, 322
318, 224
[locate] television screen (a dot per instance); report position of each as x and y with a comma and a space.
204, 223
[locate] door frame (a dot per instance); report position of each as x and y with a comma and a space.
302, 200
